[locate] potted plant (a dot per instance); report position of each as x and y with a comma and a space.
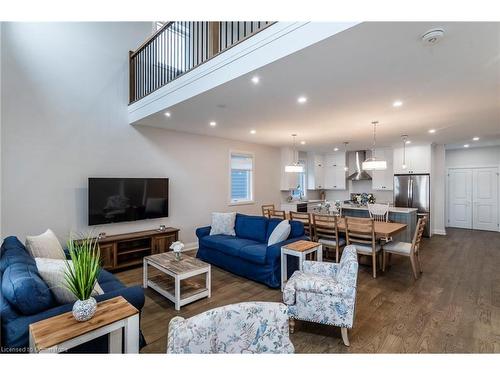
81, 275
177, 247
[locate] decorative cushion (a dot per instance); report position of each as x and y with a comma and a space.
13, 251
280, 233
398, 247
251, 227
332, 243
45, 245
52, 272
223, 223
24, 289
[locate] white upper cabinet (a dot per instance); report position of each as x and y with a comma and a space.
334, 172
418, 159
315, 171
384, 180
288, 180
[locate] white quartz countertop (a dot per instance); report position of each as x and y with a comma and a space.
401, 210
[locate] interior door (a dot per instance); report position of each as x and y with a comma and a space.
460, 198
485, 198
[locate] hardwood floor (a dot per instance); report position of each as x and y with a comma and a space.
453, 308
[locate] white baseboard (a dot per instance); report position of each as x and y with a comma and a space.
441, 232
190, 246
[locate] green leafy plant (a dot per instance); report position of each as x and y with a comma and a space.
82, 272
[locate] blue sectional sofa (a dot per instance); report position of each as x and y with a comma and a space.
247, 253
25, 298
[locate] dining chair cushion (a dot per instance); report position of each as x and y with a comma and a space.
366, 249
333, 243
397, 247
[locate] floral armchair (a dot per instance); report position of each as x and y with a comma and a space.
324, 292
249, 327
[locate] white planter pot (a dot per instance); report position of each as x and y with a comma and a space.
84, 310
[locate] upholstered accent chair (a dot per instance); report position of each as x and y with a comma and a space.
324, 292
248, 327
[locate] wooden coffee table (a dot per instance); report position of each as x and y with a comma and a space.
299, 249
172, 281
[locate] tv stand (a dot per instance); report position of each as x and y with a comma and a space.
127, 250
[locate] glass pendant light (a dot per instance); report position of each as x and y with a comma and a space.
405, 139
295, 167
374, 164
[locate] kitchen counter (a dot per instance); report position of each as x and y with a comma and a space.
402, 210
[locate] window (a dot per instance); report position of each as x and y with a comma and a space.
241, 178
301, 190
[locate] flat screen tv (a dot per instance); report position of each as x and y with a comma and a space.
113, 200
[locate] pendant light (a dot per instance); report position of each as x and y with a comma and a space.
374, 164
295, 167
405, 139
346, 168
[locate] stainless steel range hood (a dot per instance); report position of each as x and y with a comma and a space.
359, 174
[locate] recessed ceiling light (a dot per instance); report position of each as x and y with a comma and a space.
167, 114
466, 145
213, 124
336, 149
432, 131
255, 80
397, 103
253, 131
302, 142
475, 139
302, 99
408, 142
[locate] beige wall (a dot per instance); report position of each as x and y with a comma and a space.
65, 119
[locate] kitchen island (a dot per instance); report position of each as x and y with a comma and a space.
403, 215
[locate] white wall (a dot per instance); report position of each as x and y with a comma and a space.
473, 157
65, 119
438, 189
1, 24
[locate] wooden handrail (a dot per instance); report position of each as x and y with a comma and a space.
179, 46
150, 39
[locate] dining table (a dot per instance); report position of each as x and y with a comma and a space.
382, 229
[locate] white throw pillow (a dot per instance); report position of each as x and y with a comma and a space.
45, 245
52, 272
280, 233
223, 223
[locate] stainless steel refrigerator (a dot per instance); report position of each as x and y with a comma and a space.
413, 190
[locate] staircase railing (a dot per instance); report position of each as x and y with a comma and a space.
178, 46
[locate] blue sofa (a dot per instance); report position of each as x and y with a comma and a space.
247, 253
25, 298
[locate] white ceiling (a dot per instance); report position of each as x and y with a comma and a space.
353, 78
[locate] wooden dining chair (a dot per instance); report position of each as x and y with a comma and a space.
407, 249
266, 208
277, 214
304, 218
360, 232
380, 212
326, 232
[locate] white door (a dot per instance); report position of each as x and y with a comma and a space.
485, 199
460, 198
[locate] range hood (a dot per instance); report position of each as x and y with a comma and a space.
359, 174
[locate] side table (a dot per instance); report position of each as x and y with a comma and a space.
299, 249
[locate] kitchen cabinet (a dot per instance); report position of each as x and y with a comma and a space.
288, 180
334, 172
418, 159
384, 180
315, 171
